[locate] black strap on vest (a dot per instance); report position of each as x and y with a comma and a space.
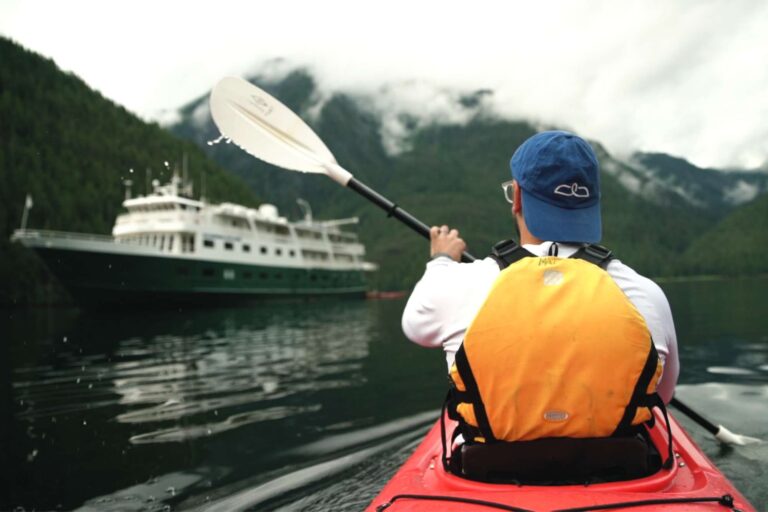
596, 254
640, 396
508, 252
472, 396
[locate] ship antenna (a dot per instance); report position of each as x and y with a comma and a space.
306, 209
25, 215
184, 169
127, 184
202, 186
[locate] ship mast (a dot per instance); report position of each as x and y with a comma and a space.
306, 209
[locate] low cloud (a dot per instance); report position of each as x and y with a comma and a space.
687, 78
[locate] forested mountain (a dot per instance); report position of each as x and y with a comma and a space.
450, 173
735, 245
713, 189
70, 149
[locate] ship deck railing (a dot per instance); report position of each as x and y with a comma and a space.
20, 234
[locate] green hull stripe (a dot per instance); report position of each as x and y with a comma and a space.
104, 273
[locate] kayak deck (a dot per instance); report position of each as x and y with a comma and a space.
692, 476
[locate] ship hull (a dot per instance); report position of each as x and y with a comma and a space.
98, 278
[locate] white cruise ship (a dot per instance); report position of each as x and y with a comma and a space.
169, 247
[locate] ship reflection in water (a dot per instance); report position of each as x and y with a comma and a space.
198, 373
206, 391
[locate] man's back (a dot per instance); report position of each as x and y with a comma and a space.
450, 294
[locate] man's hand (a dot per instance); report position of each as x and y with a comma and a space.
446, 241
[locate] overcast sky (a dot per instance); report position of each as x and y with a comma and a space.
688, 77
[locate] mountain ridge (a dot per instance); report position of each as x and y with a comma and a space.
71, 149
445, 174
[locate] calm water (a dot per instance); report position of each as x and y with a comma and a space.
291, 406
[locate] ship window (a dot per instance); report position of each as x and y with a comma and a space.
162, 242
208, 272
279, 276
208, 243
279, 252
291, 253
182, 271
246, 248
313, 277
263, 275
228, 246
171, 238
229, 274
263, 250
304, 233
314, 255
247, 274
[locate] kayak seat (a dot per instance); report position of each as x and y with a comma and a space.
558, 461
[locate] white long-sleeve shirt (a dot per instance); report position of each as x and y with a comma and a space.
450, 294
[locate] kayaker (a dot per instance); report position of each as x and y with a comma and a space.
555, 201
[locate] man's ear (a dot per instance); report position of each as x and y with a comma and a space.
518, 206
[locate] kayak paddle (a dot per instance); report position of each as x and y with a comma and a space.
270, 131
721, 433
262, 126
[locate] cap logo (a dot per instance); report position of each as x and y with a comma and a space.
572, 190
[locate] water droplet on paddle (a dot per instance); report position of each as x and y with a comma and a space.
215, 141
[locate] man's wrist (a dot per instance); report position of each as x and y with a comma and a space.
441, 255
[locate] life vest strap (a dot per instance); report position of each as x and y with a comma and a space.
473, 394
594, 253
508, 252
640, 396
658, 402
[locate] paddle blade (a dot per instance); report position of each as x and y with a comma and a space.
726, 436
267, 129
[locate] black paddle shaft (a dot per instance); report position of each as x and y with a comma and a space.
395, 211
713, 429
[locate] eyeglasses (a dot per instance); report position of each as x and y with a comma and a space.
509, 191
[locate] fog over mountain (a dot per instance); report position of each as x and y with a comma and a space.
401, 110
442, 154
685, 78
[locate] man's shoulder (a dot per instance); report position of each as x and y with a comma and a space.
626, 276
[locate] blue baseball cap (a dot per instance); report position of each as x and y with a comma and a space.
559, 177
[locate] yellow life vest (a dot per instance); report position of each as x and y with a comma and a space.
557, 350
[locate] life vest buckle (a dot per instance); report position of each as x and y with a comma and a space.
594, 253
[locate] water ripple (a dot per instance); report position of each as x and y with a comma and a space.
244, 373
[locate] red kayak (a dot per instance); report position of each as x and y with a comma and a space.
693, 484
